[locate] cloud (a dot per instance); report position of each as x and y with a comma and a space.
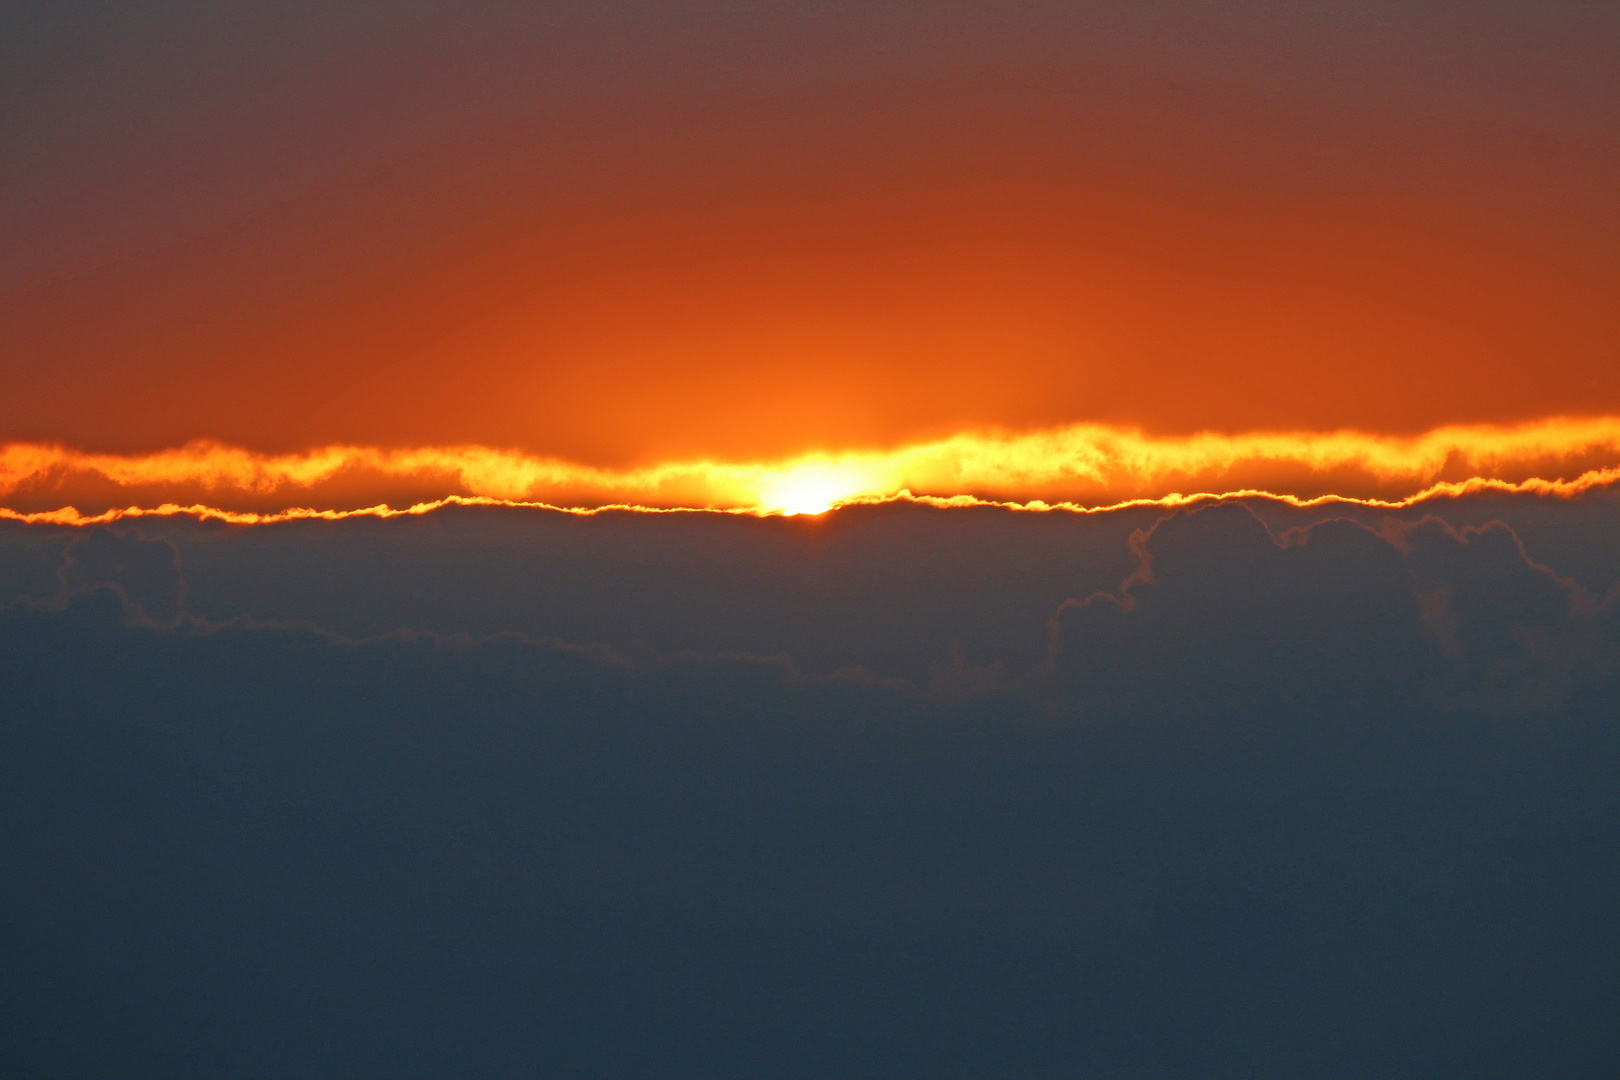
1518, 632
1265, 817
249, 849
1219, 611
1337, 615
938, 595
145, 573
889, 588
1087, 464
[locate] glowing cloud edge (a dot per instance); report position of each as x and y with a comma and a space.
1082, 466
1563, 489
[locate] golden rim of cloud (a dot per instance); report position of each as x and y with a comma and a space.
1081, 466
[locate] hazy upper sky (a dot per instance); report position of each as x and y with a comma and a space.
620, 232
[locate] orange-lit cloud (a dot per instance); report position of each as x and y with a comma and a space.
1086, 465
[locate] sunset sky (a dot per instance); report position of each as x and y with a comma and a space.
820, 540
627, 234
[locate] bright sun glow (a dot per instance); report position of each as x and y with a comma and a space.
811, 488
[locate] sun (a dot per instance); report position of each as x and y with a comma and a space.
811, 488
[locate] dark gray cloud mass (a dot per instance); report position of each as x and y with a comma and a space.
145, 573
1234, 792
1218, 609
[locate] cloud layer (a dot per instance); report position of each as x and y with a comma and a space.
1085, 464
1334, 797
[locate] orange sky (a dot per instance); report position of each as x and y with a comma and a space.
1303, 232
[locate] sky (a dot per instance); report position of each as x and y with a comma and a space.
627, 235
658, 538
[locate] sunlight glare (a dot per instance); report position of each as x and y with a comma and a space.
811, 488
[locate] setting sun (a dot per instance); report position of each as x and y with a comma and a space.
811, 488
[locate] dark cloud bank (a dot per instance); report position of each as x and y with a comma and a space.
1240, 792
